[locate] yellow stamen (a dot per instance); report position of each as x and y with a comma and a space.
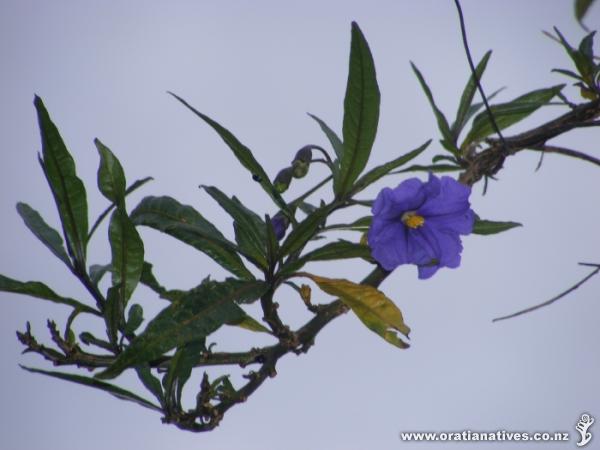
412, 220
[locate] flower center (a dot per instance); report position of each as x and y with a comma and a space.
412, 220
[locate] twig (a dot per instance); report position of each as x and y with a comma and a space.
474, 73
552, 300
489, 161
567, 152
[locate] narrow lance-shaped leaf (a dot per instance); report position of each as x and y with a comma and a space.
116, 391
334, 140
341, 249
111, 178
582, 57
477, 106
507, 114
371, 306
147, 278
150, 382
48, 235
113, 314
127, 251
135, 185
68, 190
435, 168
180, 370
361, 225
40, 290
249, 323
241, 152
304, 231
448, 141
195, 316
485, 227
581, 9
361, 113
97, 272
186, 224
249, 227
466, 100
380, 171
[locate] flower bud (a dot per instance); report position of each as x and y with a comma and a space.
283, 179
301, 162
279, 222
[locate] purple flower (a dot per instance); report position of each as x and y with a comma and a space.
421, 223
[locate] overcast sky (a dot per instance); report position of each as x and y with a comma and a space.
103, 69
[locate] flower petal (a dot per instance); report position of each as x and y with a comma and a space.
427, 271
460, 222
422, 246
452, 198
388, 243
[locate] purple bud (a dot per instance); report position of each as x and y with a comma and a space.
280, 223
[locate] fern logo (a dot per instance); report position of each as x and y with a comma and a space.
582, 427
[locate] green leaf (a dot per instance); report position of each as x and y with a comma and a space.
89, 339
334, 140
195, 316
249, 323
135, 317
361, 224
135, 185
186, 224
361, 113
180, 370
341, 249
477, 106
248, 291
448, 142
49, 236
242, 153
382, 170
507, 114
111, 178
127, 251
97, 272
116, 391
272, 242
249, 227
435, 168
40, 290
438, 158
581, 8
147, 278
582, 59
150, 382
485, 227
466, 99
67, 189
113, 314
304, 231
372, 307
568, 73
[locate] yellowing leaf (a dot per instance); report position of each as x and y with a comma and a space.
372, 307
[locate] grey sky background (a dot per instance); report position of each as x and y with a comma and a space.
103, 69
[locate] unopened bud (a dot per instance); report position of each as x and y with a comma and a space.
305, 292
283, 179
279, 222
301, 162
